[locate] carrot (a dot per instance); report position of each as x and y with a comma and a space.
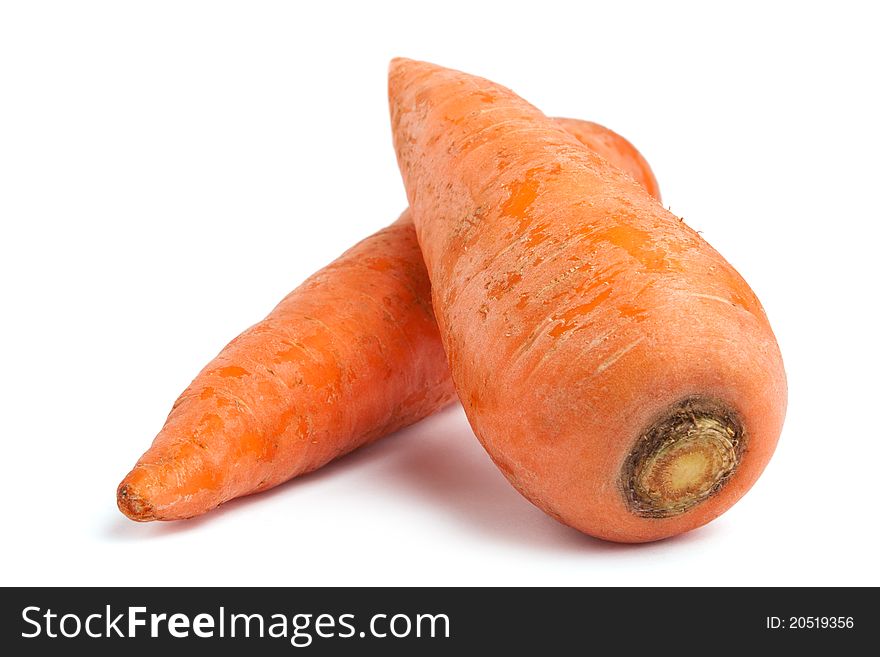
616, 368
614, 148
351, 355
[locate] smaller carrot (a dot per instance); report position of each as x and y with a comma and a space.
618, 151
351, 355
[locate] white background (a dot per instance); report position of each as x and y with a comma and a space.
169, 170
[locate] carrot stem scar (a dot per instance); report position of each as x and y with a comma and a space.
683, 458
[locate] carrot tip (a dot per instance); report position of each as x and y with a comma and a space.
683, 458
133, 505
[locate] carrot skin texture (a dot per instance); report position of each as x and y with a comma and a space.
276, 403
615, 149
574, 309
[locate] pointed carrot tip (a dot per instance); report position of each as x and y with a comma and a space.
133, 505
396, 64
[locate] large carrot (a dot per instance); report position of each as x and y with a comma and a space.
349, 356
617, 369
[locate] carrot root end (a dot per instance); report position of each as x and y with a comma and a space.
133, 505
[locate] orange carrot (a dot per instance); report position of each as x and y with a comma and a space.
351, 355
614, 148
617, 369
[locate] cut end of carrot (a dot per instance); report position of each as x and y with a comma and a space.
133, 505
683, 458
